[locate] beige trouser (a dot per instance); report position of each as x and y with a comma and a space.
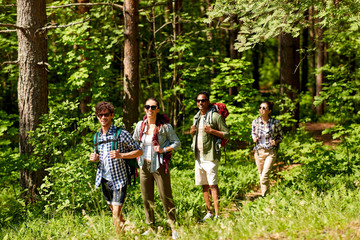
164, 188
264, 159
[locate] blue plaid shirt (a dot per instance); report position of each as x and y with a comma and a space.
266, 132
117, 166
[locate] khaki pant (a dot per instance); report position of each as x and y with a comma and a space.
164, 188
264, 159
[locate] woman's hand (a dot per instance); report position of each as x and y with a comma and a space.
272, 142
158, 149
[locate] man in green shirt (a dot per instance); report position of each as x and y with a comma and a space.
208, 127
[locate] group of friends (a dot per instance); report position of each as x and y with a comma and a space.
153, 142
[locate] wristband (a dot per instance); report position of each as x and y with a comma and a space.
165, 149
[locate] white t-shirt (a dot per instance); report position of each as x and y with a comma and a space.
147, 147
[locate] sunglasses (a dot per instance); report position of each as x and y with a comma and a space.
202, 100
153, 107
100, 115
263, 108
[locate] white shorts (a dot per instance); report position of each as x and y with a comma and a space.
206, 172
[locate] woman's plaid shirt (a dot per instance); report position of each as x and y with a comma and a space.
273, 132
117, 166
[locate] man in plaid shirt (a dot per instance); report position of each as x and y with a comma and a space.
111, 172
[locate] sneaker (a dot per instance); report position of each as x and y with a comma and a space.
147, 232
217, 217
175, 235
208, 216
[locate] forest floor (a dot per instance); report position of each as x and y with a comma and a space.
315, 129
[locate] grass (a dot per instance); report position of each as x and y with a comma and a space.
288, 213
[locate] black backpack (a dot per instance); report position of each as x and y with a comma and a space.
131, 164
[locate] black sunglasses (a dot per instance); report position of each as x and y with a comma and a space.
202, 100
100, 115
153, 107
263, 108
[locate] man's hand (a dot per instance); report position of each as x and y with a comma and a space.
94, 157
115, 154
208, 129
193, 130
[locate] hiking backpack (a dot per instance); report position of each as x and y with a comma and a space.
130, 164
222, 110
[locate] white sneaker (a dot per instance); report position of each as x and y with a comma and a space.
175, 235
147, 232
208, 216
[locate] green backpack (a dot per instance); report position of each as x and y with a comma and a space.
131, 164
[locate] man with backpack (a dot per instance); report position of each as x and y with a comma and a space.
112, 146
207, 131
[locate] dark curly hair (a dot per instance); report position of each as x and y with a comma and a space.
102, 106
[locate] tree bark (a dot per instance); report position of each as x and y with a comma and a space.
131, 63
256, 67
233, 91
304, 61
32, 84
289, 72
85, 97
320, 61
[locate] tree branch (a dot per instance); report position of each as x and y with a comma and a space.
61, 26
11, 62
86, 4
11, 26
7, 31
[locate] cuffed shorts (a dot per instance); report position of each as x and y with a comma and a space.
115, 197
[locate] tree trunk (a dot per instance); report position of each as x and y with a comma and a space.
320, 61
289, 72
304, 61
131, 63
312, 56
85, 96
32, 84
256, 67
233, 91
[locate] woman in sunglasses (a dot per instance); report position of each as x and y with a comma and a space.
266, 133
157, 139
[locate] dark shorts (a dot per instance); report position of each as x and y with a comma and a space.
113, 196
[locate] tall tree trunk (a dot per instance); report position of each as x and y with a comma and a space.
289, 72
312, 35
177, 106
256, 67
233, 91
32, 84
85, 97
304, 61
320, 61
131, 63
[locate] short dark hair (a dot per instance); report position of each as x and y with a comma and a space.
204, 93
269, 104
102, 106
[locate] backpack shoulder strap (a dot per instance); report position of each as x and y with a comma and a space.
196, 118
114, 143
96, 142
